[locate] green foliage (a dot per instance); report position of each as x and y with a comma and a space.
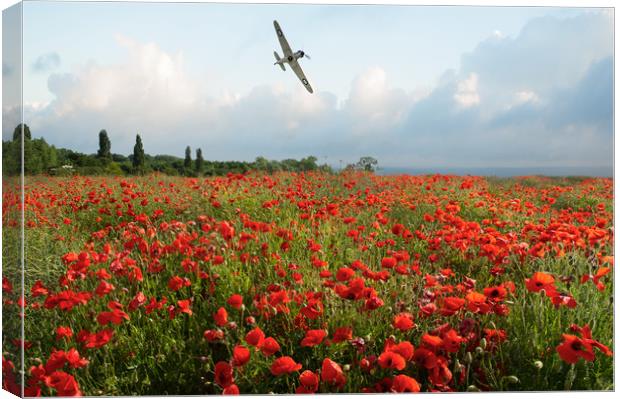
104, 146
138, 155
43, 158
187, 163
18, 132
199, 161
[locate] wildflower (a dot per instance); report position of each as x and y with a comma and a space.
284, 365
402, 383
332, 373
241, 355
313, 337
403, 322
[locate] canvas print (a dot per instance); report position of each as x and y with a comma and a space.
206, 199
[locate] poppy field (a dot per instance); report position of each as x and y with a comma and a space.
309, 283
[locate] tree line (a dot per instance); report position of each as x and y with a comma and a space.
40, 157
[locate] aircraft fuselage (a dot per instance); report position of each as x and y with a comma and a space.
287, 60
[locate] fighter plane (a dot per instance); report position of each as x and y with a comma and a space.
290, 58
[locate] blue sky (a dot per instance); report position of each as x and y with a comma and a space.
410, 85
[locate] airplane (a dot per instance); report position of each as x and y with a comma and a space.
290, 58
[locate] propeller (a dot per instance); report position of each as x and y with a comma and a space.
307, 55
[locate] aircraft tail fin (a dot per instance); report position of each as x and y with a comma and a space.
275, 53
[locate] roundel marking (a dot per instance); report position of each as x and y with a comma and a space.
279, 32
304, 81
290, 58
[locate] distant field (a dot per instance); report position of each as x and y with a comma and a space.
310, 283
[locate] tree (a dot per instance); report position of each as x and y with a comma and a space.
138, 155
104, 147
199, 161
367, 163
17, 133
188, 158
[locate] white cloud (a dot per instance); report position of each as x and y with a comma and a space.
467, 92
526, 96
373, 105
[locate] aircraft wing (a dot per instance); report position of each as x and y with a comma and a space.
283, 43
300, 74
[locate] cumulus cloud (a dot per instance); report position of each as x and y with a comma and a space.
467, 92
373, 105
46, 63
542, 98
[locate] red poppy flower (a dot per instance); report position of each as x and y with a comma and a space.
313, 337
451, 305
73, 358
403, 383
231, 390
63, 383
573, 348
477, 303
56, 360
103, 288
313, 309
284, 365
63, 332
137, 301
241, 355
432, 342
344, 274
176, 283
95, 340
235, 301
342, 334
392, 360
388, 263
255, 337
38, 289
309, 382
185, 306
405, 349
220, 317
495, 294
224, 374
452, 341
425, 358
213, 335
541, 281
403, 321
269, 346
116, 317
332, 373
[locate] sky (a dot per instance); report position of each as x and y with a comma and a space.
412, 86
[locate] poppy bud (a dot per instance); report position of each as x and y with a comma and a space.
473, 388
538, 364
479, 350
346, 367
512, 379
483, 343
468, 358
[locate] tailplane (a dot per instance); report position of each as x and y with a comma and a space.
275, 53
